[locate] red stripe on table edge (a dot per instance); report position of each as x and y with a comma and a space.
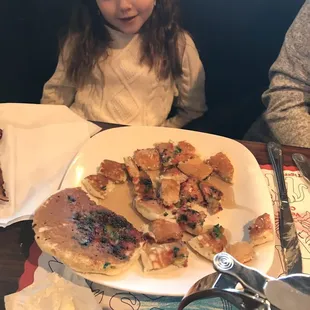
31, 263
30, 266
269, 167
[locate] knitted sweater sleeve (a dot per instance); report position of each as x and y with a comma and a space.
59, 90
288, 97
191, 103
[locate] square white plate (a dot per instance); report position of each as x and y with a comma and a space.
250, 193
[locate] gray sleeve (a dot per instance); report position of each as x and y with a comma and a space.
288, 97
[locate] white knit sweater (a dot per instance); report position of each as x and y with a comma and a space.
131, 94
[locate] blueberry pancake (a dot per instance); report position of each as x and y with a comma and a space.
86, 237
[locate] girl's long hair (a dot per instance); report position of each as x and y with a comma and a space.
88, 40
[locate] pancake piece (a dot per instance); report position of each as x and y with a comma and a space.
143, 187
159, 256
147, 159
113, 171
196, 168
190, 220
243, 252
183, 152
212, 196
164, 231
210, 243
190, 193
174, 174
169, 192
3, 196
261, 231
98, 185
222, 166
132, 169
86, 237
152, 209
166, 153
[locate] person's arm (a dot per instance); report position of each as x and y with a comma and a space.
191, 102
59, 90
288, 97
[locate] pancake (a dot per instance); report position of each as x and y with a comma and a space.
86, 237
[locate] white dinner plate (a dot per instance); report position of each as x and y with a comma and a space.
251, 197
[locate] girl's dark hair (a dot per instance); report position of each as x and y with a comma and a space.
88, 40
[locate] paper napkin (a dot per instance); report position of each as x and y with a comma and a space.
53, 293
38, 144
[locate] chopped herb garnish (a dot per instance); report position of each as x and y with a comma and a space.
177, 150
148, 185
192, 225
166, 214
183, 218
165, 159
104, 240
84, 242
176, 251
114, 235
71, 199
178, 205
106, 265
147, 188
217, 231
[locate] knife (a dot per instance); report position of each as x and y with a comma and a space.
288, 235
285, 296
303, 164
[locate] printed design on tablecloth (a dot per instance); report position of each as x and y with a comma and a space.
99, 294
51, 263
298, 193
117, 300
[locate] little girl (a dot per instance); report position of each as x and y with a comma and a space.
124, 61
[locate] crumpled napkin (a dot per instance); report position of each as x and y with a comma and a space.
53, 293
38, 144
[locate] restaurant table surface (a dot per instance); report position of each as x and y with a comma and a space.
16, 239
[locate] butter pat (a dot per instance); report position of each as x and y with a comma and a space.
55, 293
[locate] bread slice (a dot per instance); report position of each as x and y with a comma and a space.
261, 231
113, 170
210, 243
98, 185
86, 237
160, 256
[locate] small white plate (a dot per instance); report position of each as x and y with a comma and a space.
250, 190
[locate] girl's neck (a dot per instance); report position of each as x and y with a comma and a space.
119, 38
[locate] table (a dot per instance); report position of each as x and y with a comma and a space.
15, 240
